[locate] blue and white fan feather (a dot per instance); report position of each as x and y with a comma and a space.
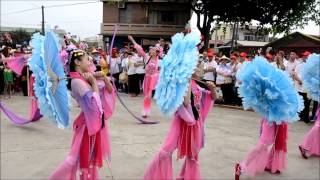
176, 69
311, 76
46, 66
269, 91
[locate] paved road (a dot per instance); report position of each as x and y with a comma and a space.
34, 151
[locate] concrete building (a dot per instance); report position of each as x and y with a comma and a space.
94, 40
147, 21
245, 33
246, 39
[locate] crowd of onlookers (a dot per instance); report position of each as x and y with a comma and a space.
127, 68
222, 70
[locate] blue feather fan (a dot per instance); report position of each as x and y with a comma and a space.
311, 76
269, 91
176, 69
45, 63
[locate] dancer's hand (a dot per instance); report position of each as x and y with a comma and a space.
89, 77
92, 80
131, 39
210, 85
98, 74
212, 88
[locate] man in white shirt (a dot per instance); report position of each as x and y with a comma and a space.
224, 80
291, 63
115, 62
133, 85
304, 114
140, 65
210, 68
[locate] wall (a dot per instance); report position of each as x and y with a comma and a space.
142, 13
110, 14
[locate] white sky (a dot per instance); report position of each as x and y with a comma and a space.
83, 20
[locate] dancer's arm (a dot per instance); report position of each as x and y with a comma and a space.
90, 103
137, 46
212, 88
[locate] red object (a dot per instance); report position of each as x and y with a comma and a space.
281, 137
210, 51
86, 145
269, 56
243, 54
210, 54
187, 145
306, 53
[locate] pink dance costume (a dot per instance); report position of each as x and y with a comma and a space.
269, 154
34, 111
150, 79
311, 143
187, 136
90, 144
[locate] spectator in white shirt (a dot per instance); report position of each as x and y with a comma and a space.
124, 57
304, 114
133, 85
279, 61
140, 65
233, 64
224, 80
210, 68
290, 66
115, 62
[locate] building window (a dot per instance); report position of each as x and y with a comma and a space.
125, 16
167, 17
152, 18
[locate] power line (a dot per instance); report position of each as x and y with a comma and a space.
62, 5
21, 11
52, 6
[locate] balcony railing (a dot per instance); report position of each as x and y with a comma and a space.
141, 29
254, 38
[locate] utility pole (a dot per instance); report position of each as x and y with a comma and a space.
233, 36
236, 36
42, 24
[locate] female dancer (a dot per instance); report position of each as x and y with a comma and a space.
90, 142
311, 143
270, 152
310, 80
151, 74
262, 157
186, 135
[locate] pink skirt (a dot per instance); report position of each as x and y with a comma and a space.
263, 155
150, 83
311, 142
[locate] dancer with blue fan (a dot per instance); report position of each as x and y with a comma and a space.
190, 106
95, 95
271, 93
310, 77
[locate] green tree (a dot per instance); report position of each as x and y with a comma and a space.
274, 16
19, 36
